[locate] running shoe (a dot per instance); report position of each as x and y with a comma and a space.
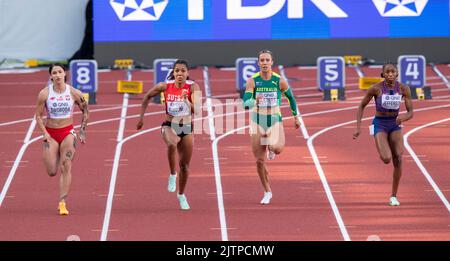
266, 199
172, 185
183, 202
62, 208
394, 201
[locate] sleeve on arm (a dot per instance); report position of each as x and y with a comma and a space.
292, 103
249, 102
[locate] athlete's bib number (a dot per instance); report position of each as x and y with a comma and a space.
178, 108
267, 99
391, 102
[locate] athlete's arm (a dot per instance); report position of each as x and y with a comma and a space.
249, 102
157, 89
196, 98
287, 91
40, 110
83, 105
371, 92
408, 104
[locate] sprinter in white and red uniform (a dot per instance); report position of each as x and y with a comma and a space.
56, 101
179, 93
388, 95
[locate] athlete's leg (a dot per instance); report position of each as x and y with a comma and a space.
171, 139
260, 141
185, 148
67, 152
259, 151
50, 155
396, 145
276, 138
382, 143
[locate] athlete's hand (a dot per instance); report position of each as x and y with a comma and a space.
356, 133
399, 120
296, 122
46, 137
140, 124
186, 99
82, 136
257, 100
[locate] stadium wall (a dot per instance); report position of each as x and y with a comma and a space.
41, 29
287, 52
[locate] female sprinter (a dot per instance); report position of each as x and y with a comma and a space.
263, 94
388, 95
177, 128
59, 137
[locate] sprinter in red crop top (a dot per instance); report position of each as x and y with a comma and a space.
57, 101
385, 127
180, 105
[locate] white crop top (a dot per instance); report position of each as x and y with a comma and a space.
59, 105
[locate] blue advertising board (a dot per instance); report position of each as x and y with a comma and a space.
330, 72
84, 75
411, 70
213, 20
245, 68
161, 69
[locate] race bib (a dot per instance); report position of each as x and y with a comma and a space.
178, 108
391, 102
267, 99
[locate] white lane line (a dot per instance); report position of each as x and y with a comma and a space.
441, 75
419, 163
234, 95
15, 122
358, 71
217, 178
109, 109
123, 116
19, 156
306, 103
25, 146
325, 185
117, 159
321, 172
112, 183
103, 121
212, 131
30, 130
228, 69
317, 162
115, 170
19, 71
109, 202
116, 162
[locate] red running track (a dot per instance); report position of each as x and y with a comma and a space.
142, 209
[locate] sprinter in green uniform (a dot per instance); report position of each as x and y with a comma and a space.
263, 95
